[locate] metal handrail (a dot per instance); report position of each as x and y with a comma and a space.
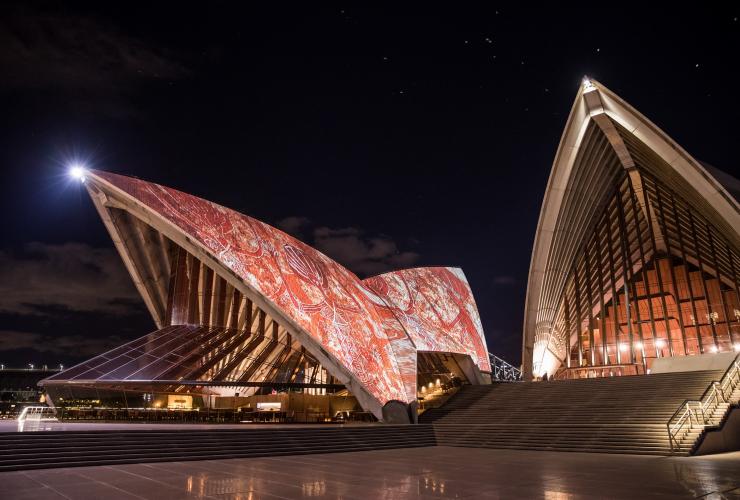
717, 393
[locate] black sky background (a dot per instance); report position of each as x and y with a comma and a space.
386, 137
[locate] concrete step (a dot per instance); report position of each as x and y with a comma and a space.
68, 449
113, 459
616, 415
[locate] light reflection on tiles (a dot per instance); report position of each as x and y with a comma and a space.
438, 472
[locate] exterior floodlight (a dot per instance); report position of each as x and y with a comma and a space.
714, 349
736, 347
77, 172
587, 85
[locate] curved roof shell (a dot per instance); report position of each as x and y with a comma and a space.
366, 332
602, 136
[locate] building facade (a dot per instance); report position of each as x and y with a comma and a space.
637, 250
246, 312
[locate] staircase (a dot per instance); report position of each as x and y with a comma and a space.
82, 448
689, 423
611, 415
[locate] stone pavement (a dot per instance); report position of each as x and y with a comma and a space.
434, 472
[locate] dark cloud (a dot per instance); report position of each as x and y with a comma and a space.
294, 225
65, 303
363, 254
93, 65
54, 345
41, 278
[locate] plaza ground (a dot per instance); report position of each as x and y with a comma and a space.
434, 472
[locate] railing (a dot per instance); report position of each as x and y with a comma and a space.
699, 414
35, 418
502, 371
36, 413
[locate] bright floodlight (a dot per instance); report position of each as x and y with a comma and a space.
587, 85
77, 172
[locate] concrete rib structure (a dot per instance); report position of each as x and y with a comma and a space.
624, 199
239, 302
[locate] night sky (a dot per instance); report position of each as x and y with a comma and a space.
385, 138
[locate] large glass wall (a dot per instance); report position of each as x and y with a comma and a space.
653, 279
204, 404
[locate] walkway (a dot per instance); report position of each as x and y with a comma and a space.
438, 472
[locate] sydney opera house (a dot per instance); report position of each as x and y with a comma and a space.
249, 317
637, 251
636, 261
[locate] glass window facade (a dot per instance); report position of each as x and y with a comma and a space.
653, 279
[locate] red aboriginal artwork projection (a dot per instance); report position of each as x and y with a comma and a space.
365, 326
436, 308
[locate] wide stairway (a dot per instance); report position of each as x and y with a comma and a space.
37, 450
611, 415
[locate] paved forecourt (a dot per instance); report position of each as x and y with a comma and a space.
432, 472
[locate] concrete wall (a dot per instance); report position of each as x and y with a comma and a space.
726, 438
471, 370
719, 361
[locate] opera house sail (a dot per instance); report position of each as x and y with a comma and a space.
637, 250
244, 311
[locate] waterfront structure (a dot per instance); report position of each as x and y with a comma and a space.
637, 250
247, 315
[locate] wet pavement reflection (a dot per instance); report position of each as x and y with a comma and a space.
435, 472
